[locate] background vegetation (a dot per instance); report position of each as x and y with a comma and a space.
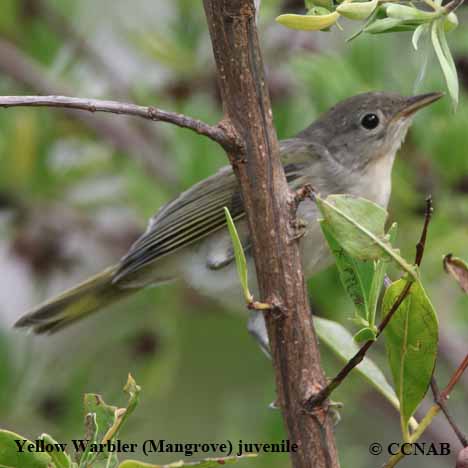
72, 200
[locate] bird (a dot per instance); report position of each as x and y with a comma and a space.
350, 149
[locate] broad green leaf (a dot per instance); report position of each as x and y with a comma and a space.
308, 22
11, 458
59, 457
239, 255
458, 269
356, 276
441, 48
357, 10
205, 463
358, 225
411, 339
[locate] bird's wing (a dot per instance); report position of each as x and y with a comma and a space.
193, 215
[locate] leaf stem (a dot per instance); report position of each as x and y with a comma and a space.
435, 391
453, 5
421, 245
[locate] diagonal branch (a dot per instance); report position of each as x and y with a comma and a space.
215, 132
441, 402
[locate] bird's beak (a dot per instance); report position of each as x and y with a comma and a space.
414, 103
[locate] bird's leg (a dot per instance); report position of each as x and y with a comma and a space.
299, 226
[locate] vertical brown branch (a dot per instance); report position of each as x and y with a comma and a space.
270, 208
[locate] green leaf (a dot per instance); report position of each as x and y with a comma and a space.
336, 337
378, 279
356, 276
365, 334
389, 25
60, 458
308, 22
357, 10
205, 463
442, 50
358, 225
239, 255
411, 339
11, 458
458, 269
409, 13
105, 414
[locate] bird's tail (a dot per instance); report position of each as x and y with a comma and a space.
75, 304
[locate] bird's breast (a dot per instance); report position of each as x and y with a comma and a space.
375, 183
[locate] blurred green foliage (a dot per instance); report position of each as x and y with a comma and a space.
203, 376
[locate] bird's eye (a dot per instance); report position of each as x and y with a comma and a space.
370, 121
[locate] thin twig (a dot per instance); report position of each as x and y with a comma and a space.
455, 378
441, 402
420, 246
321, 396
215, 133
453, 5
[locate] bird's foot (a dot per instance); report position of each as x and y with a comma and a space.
299, 226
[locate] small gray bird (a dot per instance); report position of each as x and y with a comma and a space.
349, 149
